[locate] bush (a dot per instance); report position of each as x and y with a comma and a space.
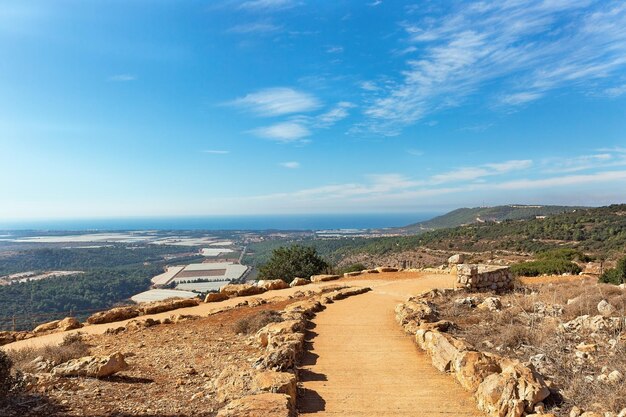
287, 263
615, 275
546, 266
10, 382
351, 268
253, 324
72, 347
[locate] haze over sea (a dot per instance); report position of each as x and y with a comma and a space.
265, 222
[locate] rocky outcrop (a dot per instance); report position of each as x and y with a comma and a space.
167, 305
92, 366
113, 315
265, 405
386, 269
299, 281
68, 323
271, 285
241, 290
502, 387
214, 297
352, 274
485, 278
323, 278
459, 258
277, 383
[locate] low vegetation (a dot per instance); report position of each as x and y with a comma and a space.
553, 262
72, 347
615, 275
10, 380
252, 324
294, 261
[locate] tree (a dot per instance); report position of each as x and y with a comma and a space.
286, 263
615, 275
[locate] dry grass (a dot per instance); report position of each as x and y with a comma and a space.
529, 326
252, 324
72, 347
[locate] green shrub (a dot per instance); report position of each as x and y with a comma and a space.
545, 266
615, 275
351, 268
287, 263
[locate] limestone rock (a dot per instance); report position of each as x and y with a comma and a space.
605, 308
299, 281
232, 383
491, 304
615, 377
386, 269
241, 290
113, 315
260, 405
92, 366
271, 330
167, 305
471, 368
214, 297
68, 323
271, 285
323, 278
277, 382
352, 274
459, 258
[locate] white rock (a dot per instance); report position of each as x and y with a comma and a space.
605, 308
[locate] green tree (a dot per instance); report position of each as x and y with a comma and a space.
286, 263
615, 275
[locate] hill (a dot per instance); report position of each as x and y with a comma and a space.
465, 216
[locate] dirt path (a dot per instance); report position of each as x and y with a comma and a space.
361, 363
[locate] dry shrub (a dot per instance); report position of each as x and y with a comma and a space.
73, 346
254, 323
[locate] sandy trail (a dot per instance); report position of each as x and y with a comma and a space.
360, 362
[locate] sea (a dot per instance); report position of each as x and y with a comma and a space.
267, 222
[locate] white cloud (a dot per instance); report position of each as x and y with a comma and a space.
122, 77
334, 49
538, 44
290, 165
254, 27
334, 115
369, 86
605, 159
415, 152
216, 152
277, 101
474, 173
283, 132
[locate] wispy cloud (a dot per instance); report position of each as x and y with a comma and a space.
486, 170
540, 45
216, 152
604, 159
122, 77
290, 165
285, 132
334, 115
254, 27
277, 101
334, 49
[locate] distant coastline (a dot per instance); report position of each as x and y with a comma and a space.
270, 222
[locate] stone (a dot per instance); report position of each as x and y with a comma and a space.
276, 382
232, 383
272, 285
323, 278
615, 377
459, 258
241, 290
259, 405
605, 308
471, 368
297, 282
271, 330
575, 412
214, 297
92, 366
113, 315
623, 412
352, 274
587, 348
68, 323
491, 304
167, 305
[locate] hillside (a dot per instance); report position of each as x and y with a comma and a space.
465, 216
600, 231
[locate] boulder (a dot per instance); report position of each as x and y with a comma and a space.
299, 281
271, 330
416, 312
113, 315
352, 274
46, 327
276, 382
265, 405
92, 366
167, 305
69, 323
386, 269
232, 383
605, 308
271, 285
459, 258
491, 304
443, 350
471, 368
241, 290
214, 297
323, 278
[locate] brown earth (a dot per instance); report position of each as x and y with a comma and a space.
361, 363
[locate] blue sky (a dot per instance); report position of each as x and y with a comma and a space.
158, 108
